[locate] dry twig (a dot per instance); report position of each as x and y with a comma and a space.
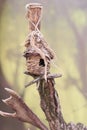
49, 76
22, 111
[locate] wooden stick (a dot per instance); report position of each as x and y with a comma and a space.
48, 95
49, 76
33, 15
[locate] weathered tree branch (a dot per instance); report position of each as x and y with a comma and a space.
50, 104
22, 111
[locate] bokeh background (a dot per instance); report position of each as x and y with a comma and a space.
64, 26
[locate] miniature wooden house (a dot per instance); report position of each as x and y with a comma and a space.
38, 54
36, 64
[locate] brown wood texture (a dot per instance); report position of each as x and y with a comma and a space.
21, 110
50, 104
48, 94
38, 54
34, 13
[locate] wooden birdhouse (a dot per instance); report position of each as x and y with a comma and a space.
35, 63
38, 54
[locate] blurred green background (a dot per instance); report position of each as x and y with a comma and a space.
64, 26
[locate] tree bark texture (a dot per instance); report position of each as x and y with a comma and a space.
50, 104
33, 14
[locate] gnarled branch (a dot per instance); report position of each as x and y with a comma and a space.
22, 111
50, 104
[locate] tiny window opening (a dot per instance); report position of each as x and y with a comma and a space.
41, 63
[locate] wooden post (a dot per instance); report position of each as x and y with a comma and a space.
48, 95
34, 15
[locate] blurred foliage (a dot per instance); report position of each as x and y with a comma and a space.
63, 25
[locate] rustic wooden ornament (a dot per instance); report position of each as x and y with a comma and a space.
38, 54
